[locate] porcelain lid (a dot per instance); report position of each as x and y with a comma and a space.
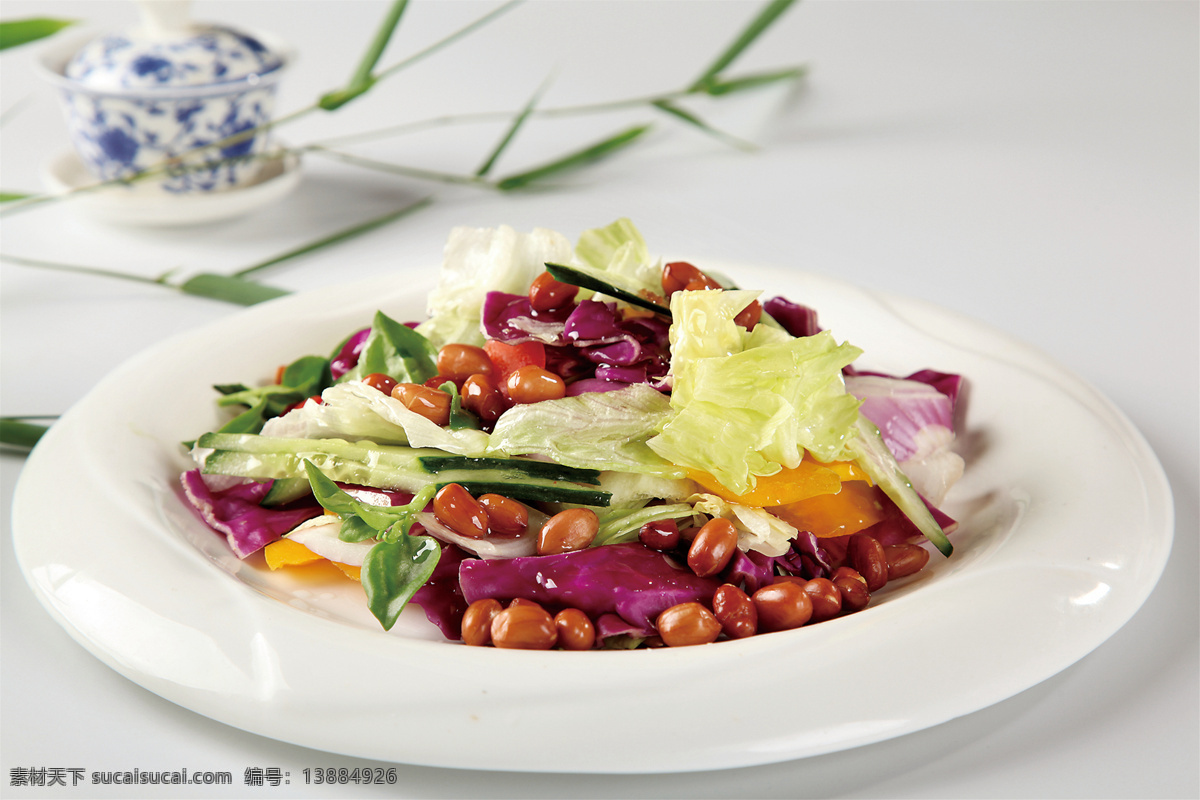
198, 55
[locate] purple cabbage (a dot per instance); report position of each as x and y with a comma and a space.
796, 319
347, 357
612, 625
949, 384
236, 513
510, 319
629, 580
584, 342
441, 598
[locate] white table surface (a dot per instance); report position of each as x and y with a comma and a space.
1032, 165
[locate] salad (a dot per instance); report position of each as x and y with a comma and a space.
583, 447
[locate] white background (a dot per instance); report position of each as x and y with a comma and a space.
1032, 165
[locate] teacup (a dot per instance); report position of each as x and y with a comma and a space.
188, 104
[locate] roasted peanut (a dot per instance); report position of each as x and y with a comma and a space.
734, 609
481, 397
904, 560
575, 630
687, 624
853, 589
460, 361
825, 597
477, 621
506, 517
532, 384
567, 531
524, 626
712, 549
548, 293
782, 606
455, 508
678, 275
432, 404
380, 381
866, 555
661, 535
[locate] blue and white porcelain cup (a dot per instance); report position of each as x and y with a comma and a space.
164, 95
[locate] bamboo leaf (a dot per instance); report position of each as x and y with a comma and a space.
229, 288
438, 45
757, 26
692, 119
754, 81
340, 236
517, 122
96, 271
363, 79
16, 432
22, 31
575, 160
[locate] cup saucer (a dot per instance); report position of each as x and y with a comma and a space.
146, 204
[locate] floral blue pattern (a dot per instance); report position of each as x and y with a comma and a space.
132, 103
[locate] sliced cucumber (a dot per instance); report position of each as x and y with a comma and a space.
602, 282
869, 450
286, 490
395, 467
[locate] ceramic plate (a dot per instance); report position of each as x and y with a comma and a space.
1066, 524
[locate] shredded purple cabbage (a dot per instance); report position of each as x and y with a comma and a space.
796, 319
629, 580
609, 625
586, 343
441, 598
236, 513
347, 357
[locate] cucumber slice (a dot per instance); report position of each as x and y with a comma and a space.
869, 450
286, 490
395, 467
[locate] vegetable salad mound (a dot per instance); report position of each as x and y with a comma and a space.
583, 447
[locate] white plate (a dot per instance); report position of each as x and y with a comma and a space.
1066, 525
146, 204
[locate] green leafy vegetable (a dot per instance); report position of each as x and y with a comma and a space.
379, 519
398, 564
303, 378
397, 350
393, 571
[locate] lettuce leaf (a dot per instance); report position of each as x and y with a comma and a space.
354, 411
749, 403
595, 430
479, 260
618, 253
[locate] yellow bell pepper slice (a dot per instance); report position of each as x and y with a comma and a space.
810, 478
857, 506
287, 553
